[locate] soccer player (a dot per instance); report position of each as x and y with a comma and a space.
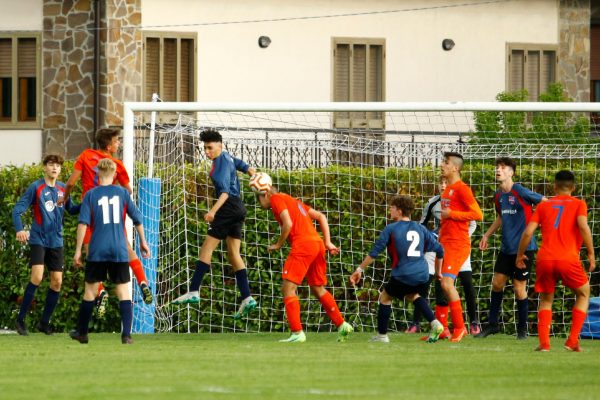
103, 210
407, 242
564, 228
514, 206
306, 259
45, 239
225, 219
458, 208
85, 167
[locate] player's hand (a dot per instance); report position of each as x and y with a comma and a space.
592, 262
355, 277
438, 276
61, 201
274, 247
23, 236
483, 243
251, 171
77, 259
332, 249
520, 262
445, 212
145, 250
209, 217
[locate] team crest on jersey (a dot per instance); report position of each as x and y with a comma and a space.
49, 205
451, 192
511, 200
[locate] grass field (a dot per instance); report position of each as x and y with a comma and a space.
244, 366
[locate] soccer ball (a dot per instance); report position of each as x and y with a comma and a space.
260, 182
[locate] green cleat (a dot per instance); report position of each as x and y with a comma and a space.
299, 337
344, 331
101, 303
436, 330
188, 298
247, 306
146, 293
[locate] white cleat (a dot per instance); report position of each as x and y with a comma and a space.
379, 338
344, 331
188, 298
299, 337
248, 305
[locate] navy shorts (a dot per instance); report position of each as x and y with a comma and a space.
97, 271
398, 289
53, 258
505, 265
229, 220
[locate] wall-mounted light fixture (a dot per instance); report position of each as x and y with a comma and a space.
264, 42
447, 44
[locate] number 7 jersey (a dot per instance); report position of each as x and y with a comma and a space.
103, 210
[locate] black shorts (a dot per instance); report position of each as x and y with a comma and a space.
229, 220
505, 265
118, 272
398, 289
53, 258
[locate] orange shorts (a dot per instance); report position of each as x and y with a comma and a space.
548, 272
455, 255
307, 259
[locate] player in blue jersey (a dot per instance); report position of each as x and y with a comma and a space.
45, 239
103, 210
407, 242
225, 219
514, 207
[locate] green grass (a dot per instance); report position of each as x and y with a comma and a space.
244, 366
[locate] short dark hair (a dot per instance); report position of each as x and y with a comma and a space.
507, 161
53, 158
105, 135
564, 179
403, 203
456, 155
211, 135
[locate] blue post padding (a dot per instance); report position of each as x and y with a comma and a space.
149, 205
591, 326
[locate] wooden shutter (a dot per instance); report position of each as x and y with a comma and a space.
595, 52
516, 68
152, 68
186, 72
341, 90
548, 68
532, 79
5, 58
169, 83
375, 80
359, 82
26, 62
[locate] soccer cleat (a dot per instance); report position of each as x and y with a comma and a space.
74, 334
188, 298
126, 340
543, 349
572, 347
21, 328
101, 302
458, 335
344, 330
474, 328
436, 330
146, 293
522, 334
248, 305
299, 337
444, 335
412, 328
488, 330
45, 328
379, 338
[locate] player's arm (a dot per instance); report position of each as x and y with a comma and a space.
210, 215
586, 234
240, 165
71, 207
473, 214
483, 243
71, 182
136, 217
380, 245
286, 228
525, 239
322, 219
22, 205
81, 228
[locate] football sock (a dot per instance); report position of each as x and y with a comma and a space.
51, 301
126, 308
85, 314
423, 306
440, 297
457, 315
466, 281
331, 308
138, 270
522, 312
241, 279
544, 322
292, 312
383, 316
27, 299
201, 269
441, 314
495, 304
576, 325
100, 289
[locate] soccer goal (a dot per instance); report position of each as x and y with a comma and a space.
347, 160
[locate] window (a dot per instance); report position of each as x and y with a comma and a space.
358, 75
531, 67
169, 66
19, 83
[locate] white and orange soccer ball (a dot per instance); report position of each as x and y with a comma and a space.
260, 182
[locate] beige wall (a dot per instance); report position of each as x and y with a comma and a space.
21, 15
297, 64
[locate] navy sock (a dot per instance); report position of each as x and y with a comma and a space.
495, 304
126, 308
383, 317
241, 278
422, 305
51, 301
522, 313
27, 299
466, 280
201, 269
85, 314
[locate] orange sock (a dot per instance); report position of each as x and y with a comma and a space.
331, 308
457, 315
292, 312
441, 314
138, 271
100, 289
544, 322
576, 325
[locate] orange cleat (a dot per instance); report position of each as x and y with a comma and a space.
458, 335
572, 347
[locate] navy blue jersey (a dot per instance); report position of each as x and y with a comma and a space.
47, 227
407, 242
224, 174
104, 209
515, 208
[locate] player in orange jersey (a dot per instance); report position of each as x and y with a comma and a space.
306, 259
459, 207
564, 228
85, 167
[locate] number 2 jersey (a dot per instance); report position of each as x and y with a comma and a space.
103, 210
407, 242
561, 238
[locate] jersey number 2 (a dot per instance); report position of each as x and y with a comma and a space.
414, 239
105, 203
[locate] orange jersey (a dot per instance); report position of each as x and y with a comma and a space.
87, 162
303, 229
561, 238
464, 208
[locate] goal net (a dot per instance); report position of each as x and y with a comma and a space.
346, 160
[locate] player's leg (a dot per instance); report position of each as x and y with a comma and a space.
36, 263
292, 311
119, 275
575, 278
138, 270
241, 277
384, 311
94, 273
201, 268
448, 285
520, 277
441, 310
54, 260
420, 303
502, 269
466, 280
544, 285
